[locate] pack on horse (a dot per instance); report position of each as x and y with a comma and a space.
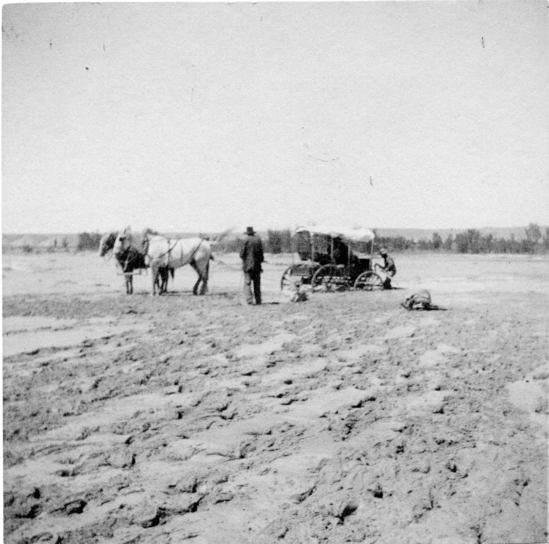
131, 259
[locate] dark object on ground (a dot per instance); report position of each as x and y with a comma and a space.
420, 301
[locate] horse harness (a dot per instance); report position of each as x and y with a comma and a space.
146, 249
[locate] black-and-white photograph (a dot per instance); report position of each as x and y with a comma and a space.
275, 272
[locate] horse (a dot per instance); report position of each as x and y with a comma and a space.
163, 252
130, 260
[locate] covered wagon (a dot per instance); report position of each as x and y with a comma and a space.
332, 259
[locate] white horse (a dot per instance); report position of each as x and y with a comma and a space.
164, 253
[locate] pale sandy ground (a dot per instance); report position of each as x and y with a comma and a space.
344, 418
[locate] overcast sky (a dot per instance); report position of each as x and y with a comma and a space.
188, 117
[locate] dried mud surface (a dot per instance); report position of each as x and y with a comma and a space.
340, 419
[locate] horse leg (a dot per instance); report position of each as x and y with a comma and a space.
160, 281
127, 280
195, 288
154, 275
205, 275
202, 277
159, 286
197, 270
164, 278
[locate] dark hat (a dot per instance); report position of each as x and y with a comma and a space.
250, 231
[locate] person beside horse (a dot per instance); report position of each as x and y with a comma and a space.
161, 252
131, 259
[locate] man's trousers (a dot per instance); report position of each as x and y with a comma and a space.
252, 277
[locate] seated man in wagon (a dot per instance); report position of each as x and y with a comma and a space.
341, 252
345, 256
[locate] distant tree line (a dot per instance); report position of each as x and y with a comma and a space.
88, 241
277, 241
471, 241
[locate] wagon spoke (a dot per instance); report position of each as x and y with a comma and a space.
329, 278
290, 282
368, 281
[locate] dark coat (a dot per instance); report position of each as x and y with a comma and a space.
252, 254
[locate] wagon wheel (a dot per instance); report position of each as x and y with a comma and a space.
290, 282
328, 278
368, 281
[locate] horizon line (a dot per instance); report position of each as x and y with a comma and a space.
52, 233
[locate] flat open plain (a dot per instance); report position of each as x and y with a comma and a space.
345, 418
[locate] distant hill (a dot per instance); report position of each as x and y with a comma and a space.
427, 234
34, 240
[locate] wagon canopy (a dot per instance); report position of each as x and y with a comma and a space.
351, 235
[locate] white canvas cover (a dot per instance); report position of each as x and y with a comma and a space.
351, 235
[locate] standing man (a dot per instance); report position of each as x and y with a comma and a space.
388, 267
252, 257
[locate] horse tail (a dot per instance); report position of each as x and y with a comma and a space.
172, 272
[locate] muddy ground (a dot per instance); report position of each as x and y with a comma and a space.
345, 418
